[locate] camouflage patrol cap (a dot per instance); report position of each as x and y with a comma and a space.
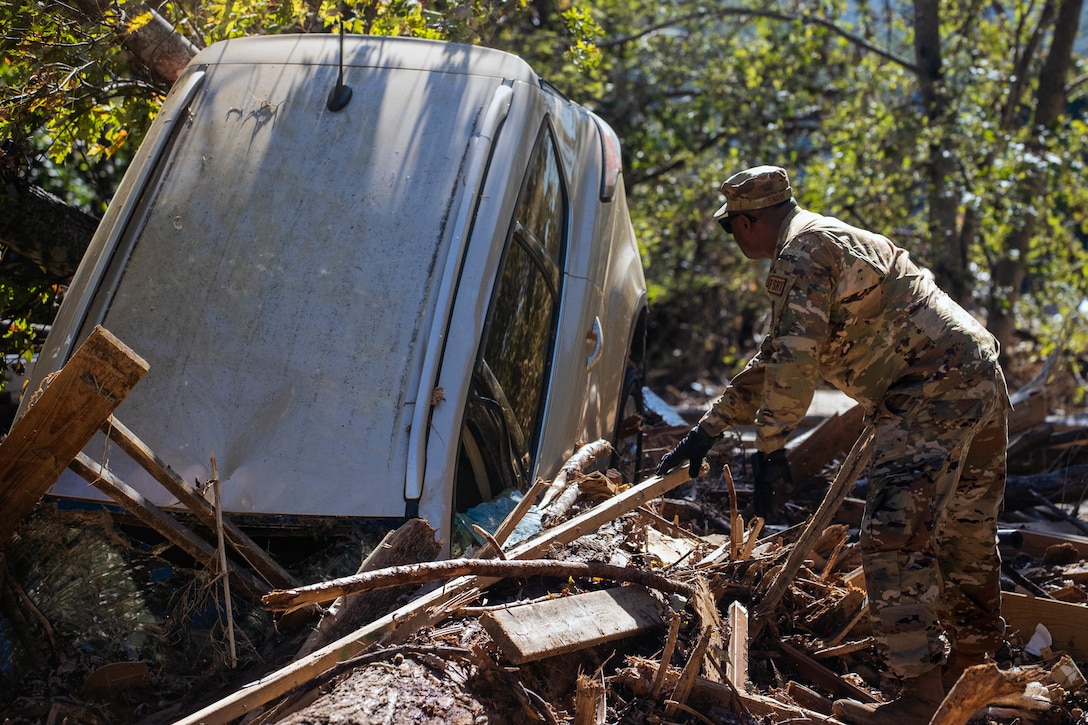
755, 188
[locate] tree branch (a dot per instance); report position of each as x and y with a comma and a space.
772, 15
282, 600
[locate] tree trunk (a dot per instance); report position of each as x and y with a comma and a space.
950, 262
161, 48
42, 228
1050, 100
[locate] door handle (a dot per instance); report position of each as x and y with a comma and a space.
594, 337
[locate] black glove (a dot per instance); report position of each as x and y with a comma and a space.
693, 447
772, 476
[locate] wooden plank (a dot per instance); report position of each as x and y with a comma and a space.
426, 609
63, 419
135, 503
189, 497
822, 676
531, 632
1066, 621
738, 646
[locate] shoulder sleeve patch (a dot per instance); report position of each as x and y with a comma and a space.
776, 285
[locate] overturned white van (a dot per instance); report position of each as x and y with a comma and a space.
373, 277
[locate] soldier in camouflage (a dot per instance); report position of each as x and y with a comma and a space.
852, 308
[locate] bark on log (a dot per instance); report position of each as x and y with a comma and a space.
42, 228
149, 37
162, 49
290, 599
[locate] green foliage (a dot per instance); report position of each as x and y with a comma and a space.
830, 91
827, 89
583, 52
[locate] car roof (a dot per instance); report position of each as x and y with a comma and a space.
371, 52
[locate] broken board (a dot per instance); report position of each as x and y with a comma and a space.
1067, 622
531, 632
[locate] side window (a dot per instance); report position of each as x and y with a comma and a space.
504, 414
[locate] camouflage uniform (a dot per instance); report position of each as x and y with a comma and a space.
852, 308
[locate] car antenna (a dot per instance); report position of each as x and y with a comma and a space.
340, 94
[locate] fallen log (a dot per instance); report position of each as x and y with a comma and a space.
286, 600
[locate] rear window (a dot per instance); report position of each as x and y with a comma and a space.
255, 285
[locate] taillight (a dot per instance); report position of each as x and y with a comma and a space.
613, 164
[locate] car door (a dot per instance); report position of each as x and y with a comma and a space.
504, 412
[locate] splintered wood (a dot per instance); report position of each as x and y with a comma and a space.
61, 420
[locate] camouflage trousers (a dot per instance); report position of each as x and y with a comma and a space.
929, 532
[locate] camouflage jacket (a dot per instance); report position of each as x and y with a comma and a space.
850, 307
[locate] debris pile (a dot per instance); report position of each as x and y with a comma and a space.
620, 613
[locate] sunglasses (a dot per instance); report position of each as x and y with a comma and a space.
727, 221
